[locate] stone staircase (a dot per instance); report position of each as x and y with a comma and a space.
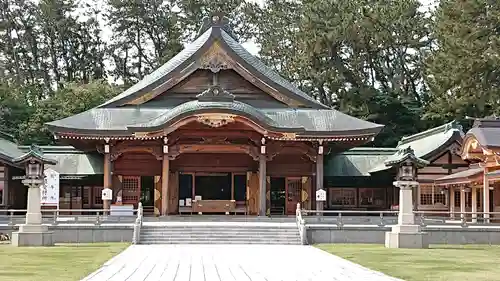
219, 233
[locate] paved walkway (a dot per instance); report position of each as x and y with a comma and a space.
230, 262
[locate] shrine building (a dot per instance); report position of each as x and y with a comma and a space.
214, 130
214, 123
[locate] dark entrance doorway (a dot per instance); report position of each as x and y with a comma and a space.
293, 194
147, 186
278, 196
213, 186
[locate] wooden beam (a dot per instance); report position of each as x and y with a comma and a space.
214, 132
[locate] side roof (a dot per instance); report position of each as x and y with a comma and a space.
356, 162
486, 131
71, 161
8, 149
427, 144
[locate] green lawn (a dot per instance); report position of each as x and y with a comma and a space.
58, 263
450, 262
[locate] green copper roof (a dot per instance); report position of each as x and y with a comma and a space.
71, 161
427, 144
9, 150
265, 71
116, 118
355, 162
156, 77
187, 58
124, 121
198, 107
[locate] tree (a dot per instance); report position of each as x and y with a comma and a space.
71, 99
192, 12
15, 108
463, 69
146, 34
46, 43
362, 56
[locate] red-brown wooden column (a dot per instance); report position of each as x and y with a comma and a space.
165, 171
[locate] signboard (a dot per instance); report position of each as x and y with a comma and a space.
49, 191
107, 194
320, 195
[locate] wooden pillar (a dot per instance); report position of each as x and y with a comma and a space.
5, 195
474, 203
462, 202
106, 204
165, 171
486, 196
262, 178
452, 202
319, 176
157, 196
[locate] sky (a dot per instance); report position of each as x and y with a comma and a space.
250, 45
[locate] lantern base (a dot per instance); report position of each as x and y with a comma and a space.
406, 240
32, 236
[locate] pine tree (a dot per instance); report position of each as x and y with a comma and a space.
463, 68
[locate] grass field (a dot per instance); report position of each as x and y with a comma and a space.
439, 263
58, 263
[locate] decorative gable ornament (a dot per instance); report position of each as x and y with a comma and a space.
215, 59
218, 19
215, 93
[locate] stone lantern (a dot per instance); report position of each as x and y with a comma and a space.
33, 233
406, 234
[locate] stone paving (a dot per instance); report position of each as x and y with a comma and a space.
230, 262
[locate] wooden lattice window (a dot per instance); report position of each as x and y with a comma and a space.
479, 199
432, 195
468, 200
98, 195
342, 197
426, 193
131, 190
294, 189
457, 198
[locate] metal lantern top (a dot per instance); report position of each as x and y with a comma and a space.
34, 162
407, 164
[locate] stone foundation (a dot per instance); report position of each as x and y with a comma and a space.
417, 240
32, 239
32, 235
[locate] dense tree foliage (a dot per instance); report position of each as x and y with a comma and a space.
463, 70
360, 56
388, 61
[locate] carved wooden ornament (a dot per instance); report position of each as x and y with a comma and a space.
215, 59
215, 120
